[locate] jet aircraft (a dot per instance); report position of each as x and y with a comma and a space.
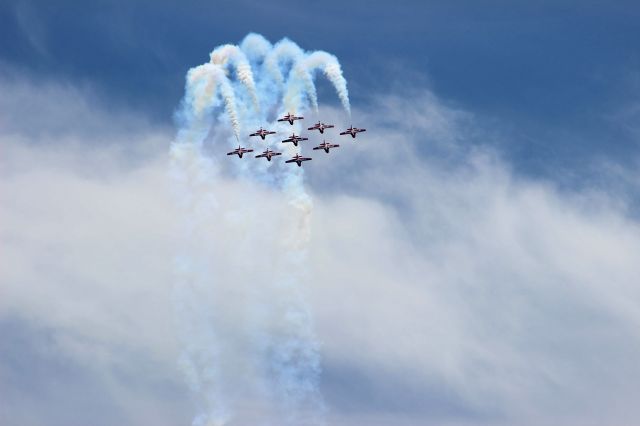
290, 118
326, 146
295, 139
352, 131
262, 133
320, 126
239, 151
268, 154
298, 159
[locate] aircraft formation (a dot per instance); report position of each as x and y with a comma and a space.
295, 139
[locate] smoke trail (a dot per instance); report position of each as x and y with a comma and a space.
191, 171
229, 103
255, 47
199, 91
274, 341
304, 70
202, 83
295, 89
295, 357
229, 54
333, 71
284, 51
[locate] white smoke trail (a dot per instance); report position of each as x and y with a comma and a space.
202, 83
230, 54
295, 355
278, 338
333, 71
255, 47
283, 52
229, 99
303, 74
200, 91
191, 171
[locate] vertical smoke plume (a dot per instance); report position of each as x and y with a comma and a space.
304, 71
200, 92
285, 51
276, 340
229, 98
203, 82
190, 169
229, 54
255, 47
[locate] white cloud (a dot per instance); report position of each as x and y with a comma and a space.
446, 290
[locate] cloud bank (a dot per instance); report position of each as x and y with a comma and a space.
447, 289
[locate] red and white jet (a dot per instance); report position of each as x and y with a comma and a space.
298, 159
295, 139
326, 146
320, 126
262, 133
352, 131
290, 118
268, 154
239, 151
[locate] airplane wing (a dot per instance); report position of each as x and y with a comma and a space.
334, 145
305, 159
290, 161
248, 150
232, 153
328, 126
344, 133
318, 147
261, 155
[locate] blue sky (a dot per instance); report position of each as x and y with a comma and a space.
473, 257
557, 76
